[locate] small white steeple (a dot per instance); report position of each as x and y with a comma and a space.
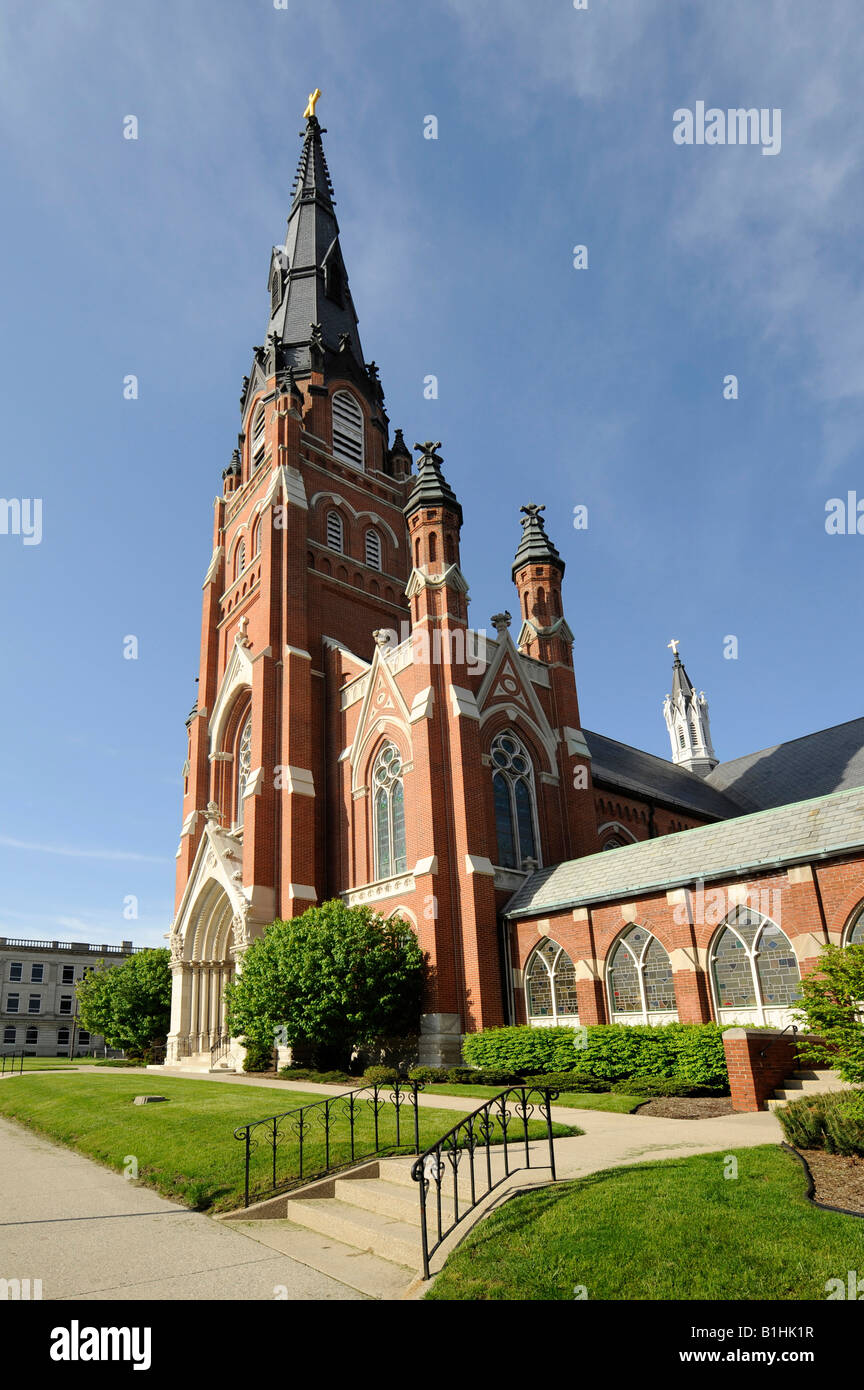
686, 715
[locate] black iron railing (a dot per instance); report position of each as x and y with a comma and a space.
485, 1129
327, 1135
15, 1062
220, 1049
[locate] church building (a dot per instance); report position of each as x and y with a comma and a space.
353, 738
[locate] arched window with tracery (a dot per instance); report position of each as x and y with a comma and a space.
389, 812
244, 766
754, 970
855, 932
639, 976
515, 804
550, 986
240, 559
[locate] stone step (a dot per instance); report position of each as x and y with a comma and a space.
362, 1270
371, 1231
822, 1074
389, 1198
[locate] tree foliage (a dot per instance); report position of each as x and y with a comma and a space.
128, 1004
832, 1005
334, 979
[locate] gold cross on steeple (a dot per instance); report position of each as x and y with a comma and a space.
313, 98
674, 644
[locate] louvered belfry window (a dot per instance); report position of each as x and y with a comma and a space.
347, 429
335, 532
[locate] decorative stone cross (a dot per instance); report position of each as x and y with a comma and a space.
429, 451
532, 513
674, 645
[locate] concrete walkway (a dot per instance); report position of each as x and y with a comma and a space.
88, 1234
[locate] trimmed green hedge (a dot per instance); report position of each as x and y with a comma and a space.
686, 1052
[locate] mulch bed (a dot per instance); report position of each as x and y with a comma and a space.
838, 1181
688, 1107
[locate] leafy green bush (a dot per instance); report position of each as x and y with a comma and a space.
430, 1076
380, 1076
568, 1081
461, 1076
259, 1056
323, 1078
830, 1006
664, 1086
522, 1049
486, 1077
833, 1121
689, 1052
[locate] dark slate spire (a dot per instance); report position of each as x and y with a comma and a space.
431, 488
681, 683
535, 547
312, 312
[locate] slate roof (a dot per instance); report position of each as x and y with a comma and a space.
431, 488
829, 760
808, 830
644, 774
535, 546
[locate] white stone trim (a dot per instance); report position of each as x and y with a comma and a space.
422, 705
298, 781
479, 864
463, 703
429, 865
302, 890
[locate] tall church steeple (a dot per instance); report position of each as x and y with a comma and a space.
312, 325
687, 722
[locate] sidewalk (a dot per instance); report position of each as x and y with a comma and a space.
88, 1234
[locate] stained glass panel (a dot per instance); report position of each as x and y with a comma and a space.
504, 822
777, 968
624, 982
538, 987
524, 821
733, 975
857, 936
565, 987
382, 834
657, 974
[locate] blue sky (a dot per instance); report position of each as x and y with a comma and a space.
600, 387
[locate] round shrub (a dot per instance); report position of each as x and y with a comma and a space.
430, 1076
569, 1081
259, 1056
380, 1076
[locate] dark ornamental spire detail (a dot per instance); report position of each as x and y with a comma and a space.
312, 317
431, 488
535, 547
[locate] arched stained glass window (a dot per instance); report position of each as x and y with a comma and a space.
640, 977
550, 985
244, 766
855, 936
753, 965
389, 805
515, 806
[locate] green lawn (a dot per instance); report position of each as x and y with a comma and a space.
50, 1063
672, 1230
185, 1148
581, 1100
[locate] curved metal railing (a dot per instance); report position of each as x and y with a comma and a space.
328, 1134
485, 1129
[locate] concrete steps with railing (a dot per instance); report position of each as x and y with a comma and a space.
805, 1083
363, 1227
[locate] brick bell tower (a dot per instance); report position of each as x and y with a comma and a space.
310, 557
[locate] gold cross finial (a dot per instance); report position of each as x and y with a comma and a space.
313, 98
674, 645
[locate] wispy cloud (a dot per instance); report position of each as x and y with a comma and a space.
77, 852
